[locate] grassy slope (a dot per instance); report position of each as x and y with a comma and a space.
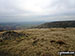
39, 42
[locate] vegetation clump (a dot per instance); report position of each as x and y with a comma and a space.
12, 35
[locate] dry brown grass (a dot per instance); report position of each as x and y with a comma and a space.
40, 42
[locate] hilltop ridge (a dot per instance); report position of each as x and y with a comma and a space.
57, 24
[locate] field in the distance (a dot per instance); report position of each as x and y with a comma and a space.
39, 42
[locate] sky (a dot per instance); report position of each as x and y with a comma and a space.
36, 10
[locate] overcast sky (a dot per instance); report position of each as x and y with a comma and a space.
36, 10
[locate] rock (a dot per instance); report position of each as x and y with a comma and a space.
12, 35
60, 42
1, 40
35, 42
52, 41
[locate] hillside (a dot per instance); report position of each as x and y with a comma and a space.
57, 24
37, 42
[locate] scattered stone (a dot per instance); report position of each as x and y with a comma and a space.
1, 40
12, 35
52, 41
60, 42
35, 42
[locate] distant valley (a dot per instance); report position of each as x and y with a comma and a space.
26, 25
18, 25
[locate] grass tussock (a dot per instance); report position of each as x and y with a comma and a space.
39, 42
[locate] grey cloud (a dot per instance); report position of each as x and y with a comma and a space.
10, 8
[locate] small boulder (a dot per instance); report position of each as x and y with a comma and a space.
60, 42
12, 35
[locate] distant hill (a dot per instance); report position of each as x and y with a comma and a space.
57, 24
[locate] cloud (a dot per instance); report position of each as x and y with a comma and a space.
29, 8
